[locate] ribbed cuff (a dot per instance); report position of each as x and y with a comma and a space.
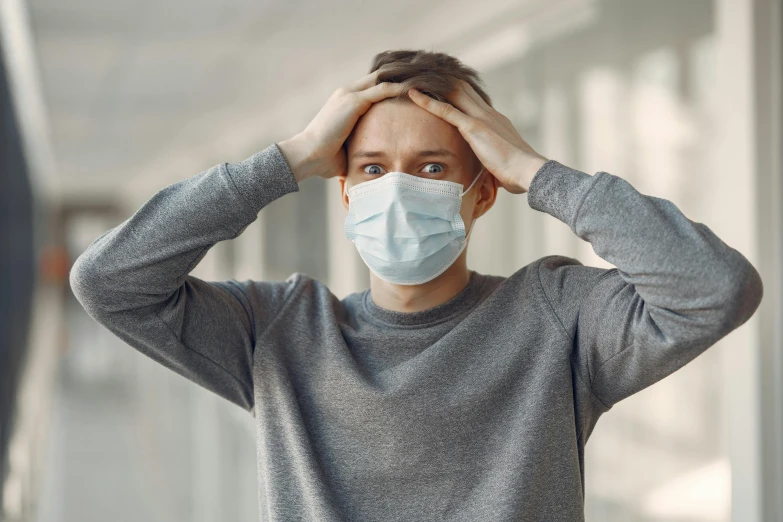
559, 190
263, 177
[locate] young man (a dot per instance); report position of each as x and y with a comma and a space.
439, 393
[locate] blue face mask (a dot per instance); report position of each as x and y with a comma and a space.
407, 229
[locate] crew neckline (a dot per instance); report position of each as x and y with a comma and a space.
460, 303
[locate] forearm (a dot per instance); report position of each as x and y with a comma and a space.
144, 259
672, 262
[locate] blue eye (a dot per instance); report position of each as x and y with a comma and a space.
437, 171
373, 167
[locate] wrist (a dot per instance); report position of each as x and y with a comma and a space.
299, 156
531, 166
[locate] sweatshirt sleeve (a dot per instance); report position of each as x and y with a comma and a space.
134, 279
676, 290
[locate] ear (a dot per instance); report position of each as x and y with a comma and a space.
487, 191
343, 191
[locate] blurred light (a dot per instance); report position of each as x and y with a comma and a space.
701, 494
504, 46
549, 22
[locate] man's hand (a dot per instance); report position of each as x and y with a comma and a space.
491, 135
318, 150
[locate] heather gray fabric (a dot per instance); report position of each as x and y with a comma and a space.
475, 410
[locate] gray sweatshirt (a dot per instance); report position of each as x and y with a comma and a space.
475, 410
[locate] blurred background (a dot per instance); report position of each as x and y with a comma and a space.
104, 103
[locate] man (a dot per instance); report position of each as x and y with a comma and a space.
439, 393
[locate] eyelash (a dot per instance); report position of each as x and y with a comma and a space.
443, 168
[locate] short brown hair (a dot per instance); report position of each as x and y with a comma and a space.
432, 73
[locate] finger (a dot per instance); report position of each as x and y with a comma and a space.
448, 112
381, 91
476, 97
489, 110
364, 82
464, 102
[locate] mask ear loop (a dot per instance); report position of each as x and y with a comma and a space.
345, 189
473, 182
467, 237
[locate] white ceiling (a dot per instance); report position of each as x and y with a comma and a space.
141, 94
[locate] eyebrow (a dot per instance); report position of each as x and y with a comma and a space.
422, 153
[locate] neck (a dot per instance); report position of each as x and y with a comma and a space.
415, 298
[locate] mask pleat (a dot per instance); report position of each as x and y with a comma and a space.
400, 225
424, 204
408, 232
404, 250
408, 268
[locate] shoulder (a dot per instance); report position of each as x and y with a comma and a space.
301, 286
565, 283
274, 297
558, 272
268, 291
554, 273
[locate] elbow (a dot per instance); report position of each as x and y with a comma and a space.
84, 283
747, 291
752, 291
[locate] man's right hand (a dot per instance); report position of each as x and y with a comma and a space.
318, 150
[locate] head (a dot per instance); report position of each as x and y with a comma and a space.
398, 135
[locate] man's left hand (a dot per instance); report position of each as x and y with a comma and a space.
490, 134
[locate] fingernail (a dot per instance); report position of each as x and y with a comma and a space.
412, 91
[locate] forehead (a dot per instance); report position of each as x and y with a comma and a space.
395, 127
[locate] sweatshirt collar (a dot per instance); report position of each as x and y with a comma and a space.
465, 300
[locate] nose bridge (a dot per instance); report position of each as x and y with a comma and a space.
407, 158
403, 163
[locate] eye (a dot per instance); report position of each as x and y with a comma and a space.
375, 171
438, 165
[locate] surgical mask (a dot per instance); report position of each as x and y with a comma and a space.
407, 229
